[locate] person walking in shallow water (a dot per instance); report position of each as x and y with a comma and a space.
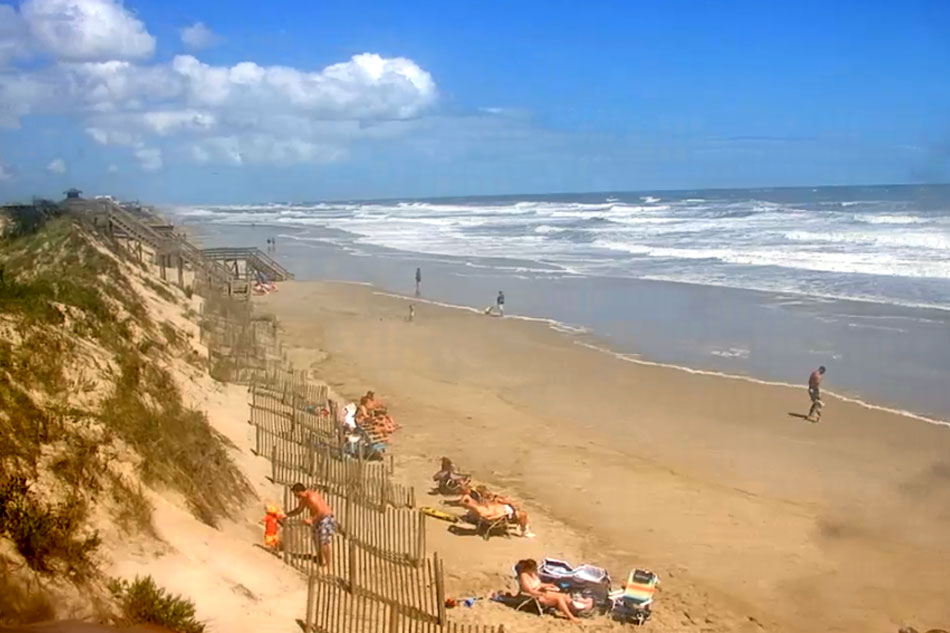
814, 391
418, 281
500, 302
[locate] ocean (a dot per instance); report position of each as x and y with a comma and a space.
766, 283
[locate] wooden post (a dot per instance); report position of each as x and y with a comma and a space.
273, 462
420, 538
354, 578
393, 619
439, 589
311, 586
287, 545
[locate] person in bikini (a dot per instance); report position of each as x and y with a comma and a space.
378, 410
547, 594
366, 419
372, 414
492, 511
321, 520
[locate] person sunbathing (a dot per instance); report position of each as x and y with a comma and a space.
378, 410
366, 419
482, 495
491, 511
449, 479
547, 594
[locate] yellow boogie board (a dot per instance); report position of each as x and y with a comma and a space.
438, 514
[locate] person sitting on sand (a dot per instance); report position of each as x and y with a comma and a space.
449, 479
547, 594
491, 512
370, 422
378, 411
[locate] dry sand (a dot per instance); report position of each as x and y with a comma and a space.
755, 519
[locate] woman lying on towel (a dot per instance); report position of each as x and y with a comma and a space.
492, 511
547, 594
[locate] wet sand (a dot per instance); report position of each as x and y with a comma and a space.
756, 519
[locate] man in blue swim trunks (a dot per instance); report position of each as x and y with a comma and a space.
321, 520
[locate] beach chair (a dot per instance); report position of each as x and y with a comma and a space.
634, 603
525, 602
498, 527
453, 484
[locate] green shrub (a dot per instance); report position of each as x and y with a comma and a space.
144, 602
46, 535
178, 446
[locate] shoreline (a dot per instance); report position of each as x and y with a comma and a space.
757, 335
571, 330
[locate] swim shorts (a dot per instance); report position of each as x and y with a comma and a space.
324, 529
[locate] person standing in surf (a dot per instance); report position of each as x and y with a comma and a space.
814, 391
418, 281
500, 302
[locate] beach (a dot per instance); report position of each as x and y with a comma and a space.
754, 518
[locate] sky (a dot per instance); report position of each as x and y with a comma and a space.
243, 102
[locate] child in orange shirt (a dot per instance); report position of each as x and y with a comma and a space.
271, 523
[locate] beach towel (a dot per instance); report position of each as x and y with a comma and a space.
438, 514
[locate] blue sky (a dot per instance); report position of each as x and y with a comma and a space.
212, 102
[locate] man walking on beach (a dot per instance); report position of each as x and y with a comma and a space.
814, 390
418, 280
321, 520
501, 303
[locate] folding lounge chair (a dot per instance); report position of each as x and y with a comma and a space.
453, 484
525, 602
635, 601
497, 527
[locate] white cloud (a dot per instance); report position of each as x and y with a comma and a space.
112, 169
366, 87
86, 30
150, 158
56, 166
198, 36
239, 114
6, 173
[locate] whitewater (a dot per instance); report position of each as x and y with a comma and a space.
882, 244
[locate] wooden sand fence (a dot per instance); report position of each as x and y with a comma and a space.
294, 390
332, 609
327, 468
394, 534
415, 587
